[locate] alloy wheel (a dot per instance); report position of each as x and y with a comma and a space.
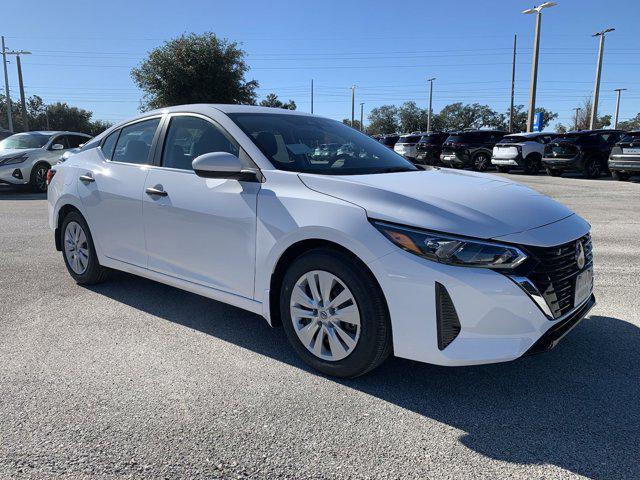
76, 248
325, 315
594, 169
482, 162
41, 178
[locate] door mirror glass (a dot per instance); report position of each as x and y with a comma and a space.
217, 165
57, 146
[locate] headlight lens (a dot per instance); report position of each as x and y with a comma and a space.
450, 249
14, 159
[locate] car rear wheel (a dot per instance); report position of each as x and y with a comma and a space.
592, 168
481, 162
38, 179
334, 314
553, 172
620, 176
532, 164
79, 252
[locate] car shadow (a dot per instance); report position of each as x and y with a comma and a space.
577, 407
7, 192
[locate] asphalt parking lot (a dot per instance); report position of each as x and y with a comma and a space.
133, 378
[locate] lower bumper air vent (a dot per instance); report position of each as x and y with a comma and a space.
446, 317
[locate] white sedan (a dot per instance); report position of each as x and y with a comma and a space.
25, 158
357, 254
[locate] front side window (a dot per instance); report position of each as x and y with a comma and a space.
24, 140
134, 142
109, 145
61, 140
307, 144
76, 140
189, 137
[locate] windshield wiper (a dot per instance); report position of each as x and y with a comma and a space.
396, 169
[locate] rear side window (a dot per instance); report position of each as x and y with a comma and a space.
189, 137
109, 145
61, 140
134, 142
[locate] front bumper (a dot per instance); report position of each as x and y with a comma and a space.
14, 174
498, 320
624, 163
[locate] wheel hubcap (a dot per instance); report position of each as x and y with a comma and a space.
76, 249
325, 315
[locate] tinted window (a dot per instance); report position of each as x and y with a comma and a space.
134, 142
109, 144
76, 140
61, 140
515, 139
433, 138
290, 142
190, 137
409, 139
631, 137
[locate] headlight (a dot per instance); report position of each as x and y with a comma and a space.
13, 160
452, 250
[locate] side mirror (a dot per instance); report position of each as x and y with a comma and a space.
57, 146
221, 165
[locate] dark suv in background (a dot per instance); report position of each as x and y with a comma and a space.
389, 140
624, 159
585, 151
470, 149
429, 148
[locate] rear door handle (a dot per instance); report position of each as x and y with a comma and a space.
156, 191
87, 178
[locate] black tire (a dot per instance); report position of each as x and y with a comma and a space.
94, 272
374, 344
552, 172
481, 161
620, 176
532, 164
38, 178
592, 168
503, 169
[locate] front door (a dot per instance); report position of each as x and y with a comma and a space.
112, 189
197, 229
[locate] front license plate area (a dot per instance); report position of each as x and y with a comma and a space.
584, 286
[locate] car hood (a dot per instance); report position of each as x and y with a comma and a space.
452, 201
12, 152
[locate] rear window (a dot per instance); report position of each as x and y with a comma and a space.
409, 139
433, 138
515, 139
388, 140
631, 137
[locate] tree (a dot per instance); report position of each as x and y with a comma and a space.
273, 102
383, 119
195, 69
412, 118
584, 117
631, 124
520, 118
356, 123
560, 128
458, 116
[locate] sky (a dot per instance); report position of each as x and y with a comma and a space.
83, 51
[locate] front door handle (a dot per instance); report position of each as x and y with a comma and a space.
156, 191
87, 178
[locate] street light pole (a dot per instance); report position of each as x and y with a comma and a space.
513, 82
618, 91
596, 89
534, 62
6, 87
353, 104
362, 116
430, 80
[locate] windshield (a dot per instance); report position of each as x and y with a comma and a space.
24, 140
301, 143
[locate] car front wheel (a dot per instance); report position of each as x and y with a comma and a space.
38, 179
334, 314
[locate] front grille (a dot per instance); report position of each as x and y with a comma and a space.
556, 271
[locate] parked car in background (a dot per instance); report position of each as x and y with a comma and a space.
26, 157
522, 151
624, 159
357, 258
406, 145
472, 148
429, 148
585, 151
389, 140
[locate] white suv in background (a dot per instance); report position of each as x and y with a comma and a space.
25, 158
406, 145
521, 151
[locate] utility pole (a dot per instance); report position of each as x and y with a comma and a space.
23, 104
596, 89
534, 62
575, 123
362, 116
6, 86
353, 103
513, 83
430, 80
312, 96
618, 91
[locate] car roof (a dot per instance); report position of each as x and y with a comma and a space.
205, 108
56, 132
530, 134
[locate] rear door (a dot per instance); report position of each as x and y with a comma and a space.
202, 230
112, 190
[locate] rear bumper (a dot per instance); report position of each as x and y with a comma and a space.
515, 161
563, 164
455, 160
624, 163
